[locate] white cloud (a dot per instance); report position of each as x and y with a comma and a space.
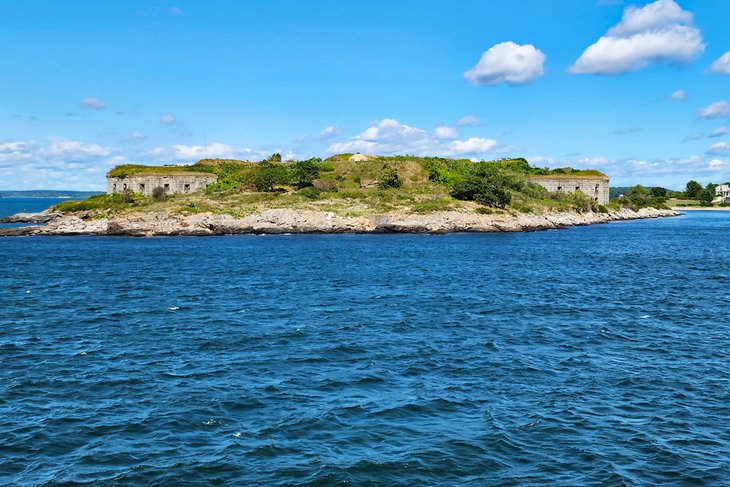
473, 145
695, 136
721, 64
672, 172
73, 150
468, 121
507, 63
444, 132
655, 15
92, 103
658, 32
388, 136
59, 163
678, 95
718, 132
719, 109
330, 131
216, 150
716, 164
167, 120
719, 149
55, 164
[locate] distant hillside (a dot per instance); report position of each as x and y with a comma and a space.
48, 193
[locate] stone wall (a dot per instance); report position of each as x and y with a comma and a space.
596, 188
172, 184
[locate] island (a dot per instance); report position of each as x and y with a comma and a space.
345, 193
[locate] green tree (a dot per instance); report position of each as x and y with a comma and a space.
275, 157
303, 173
268, 175
659, 192
706, 196
485, 185
692, 190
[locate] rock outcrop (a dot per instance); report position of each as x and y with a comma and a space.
277, 221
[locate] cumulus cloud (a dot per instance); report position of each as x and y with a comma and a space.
672, 172
507, 63
717, 165
59, 163
719, 109
719, 149
473, 145
444, 132
721, 64
92, 103
388, 136
55, 164
468, 121
678, 95
330, 131
718, 132
167, 120
658, 32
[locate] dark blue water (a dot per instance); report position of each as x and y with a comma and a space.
11, 206
589, 356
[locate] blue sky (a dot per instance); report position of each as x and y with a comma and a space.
638, 90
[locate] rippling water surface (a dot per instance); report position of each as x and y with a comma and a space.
595, 355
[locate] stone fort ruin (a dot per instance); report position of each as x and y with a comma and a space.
595, 187
171, 183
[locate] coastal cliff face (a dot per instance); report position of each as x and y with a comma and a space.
277, 221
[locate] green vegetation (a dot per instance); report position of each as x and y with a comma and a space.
695, 195
378, 185
638, 197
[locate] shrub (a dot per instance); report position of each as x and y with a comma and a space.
389, 178
275, 157
486, 185
309, 193
128, 196
96, 202
582, 202
159, 194
327, 185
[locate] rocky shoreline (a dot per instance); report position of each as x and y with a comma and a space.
278, 221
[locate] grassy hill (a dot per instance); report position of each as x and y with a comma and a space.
379, 185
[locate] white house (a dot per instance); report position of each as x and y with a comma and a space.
723, 191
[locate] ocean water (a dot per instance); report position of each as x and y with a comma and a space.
11, 206
588, 356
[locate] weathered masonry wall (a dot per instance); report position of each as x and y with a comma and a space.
596, 188
172, 184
